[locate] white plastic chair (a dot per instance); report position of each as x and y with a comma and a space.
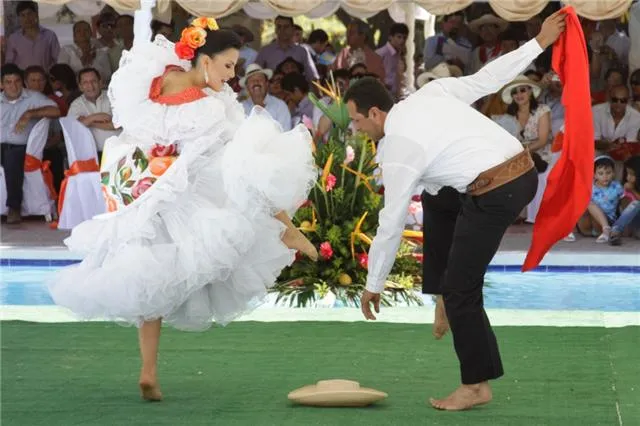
37, 199
83, 197
3, 193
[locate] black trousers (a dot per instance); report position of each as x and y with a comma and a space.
462, 233
13, 164
56, 156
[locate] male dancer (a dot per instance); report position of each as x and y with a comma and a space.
478, 179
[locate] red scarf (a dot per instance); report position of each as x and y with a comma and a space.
570, 181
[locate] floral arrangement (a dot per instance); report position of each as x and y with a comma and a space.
340, 218
194, 37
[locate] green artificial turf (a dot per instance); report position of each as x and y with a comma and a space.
86, 374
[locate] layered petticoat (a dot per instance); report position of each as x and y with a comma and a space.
201, 244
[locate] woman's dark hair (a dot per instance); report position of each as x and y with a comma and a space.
367, 93
512, 108
632, 163
217, 42
65, 75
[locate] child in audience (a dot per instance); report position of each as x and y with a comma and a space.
629, 204
605, 196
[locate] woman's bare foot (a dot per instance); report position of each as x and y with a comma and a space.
149, 389
440, 322
294, 239
464, 398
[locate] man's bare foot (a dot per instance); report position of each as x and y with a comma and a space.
440, 322
294, 239
464, 398
149, 389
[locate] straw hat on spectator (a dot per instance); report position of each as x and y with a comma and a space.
442, 70
488, 19
255, 69
336, 393
521, 80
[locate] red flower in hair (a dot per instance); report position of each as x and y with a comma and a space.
184, 51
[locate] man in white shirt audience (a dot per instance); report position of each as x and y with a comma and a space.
615, 122
85, 52
256, 83
21, 110
93, 108
477, 179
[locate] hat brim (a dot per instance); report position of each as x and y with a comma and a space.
425, 78
506, 91
312, 396
267, 72
484, 20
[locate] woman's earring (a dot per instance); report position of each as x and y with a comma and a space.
206, 77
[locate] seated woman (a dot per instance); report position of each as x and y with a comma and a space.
530, 122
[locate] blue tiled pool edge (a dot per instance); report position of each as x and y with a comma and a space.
492, 268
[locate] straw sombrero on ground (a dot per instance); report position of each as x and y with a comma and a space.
336, 393
521, 80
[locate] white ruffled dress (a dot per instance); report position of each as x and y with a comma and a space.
198, 243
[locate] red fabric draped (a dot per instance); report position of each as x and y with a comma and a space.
570, 181
31, 164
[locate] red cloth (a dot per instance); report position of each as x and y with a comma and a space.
568, 190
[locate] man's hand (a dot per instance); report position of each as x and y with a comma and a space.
366, 298
551, 29
22, 123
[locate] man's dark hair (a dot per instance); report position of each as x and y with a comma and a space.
286, 18
32, 69
24, 5
318, 36
297, 27
294, 81
11, 69
399, 29
87, 71
369, 92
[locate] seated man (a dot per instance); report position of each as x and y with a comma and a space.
93, 108
256, 83
21, 109
296, 88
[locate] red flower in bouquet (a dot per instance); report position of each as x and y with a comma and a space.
331, 182
363, 260
326, 252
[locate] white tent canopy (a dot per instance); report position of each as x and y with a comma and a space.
511, 10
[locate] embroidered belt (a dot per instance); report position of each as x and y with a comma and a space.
501, 174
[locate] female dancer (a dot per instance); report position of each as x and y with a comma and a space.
198, 236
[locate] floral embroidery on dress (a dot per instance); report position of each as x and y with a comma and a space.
135, 174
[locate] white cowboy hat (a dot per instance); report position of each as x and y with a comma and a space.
254, 69
336, 393
521, 80
488, 19
442, 70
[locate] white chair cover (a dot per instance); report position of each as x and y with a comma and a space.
3, 193
533, 207
83, 198
36, 198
